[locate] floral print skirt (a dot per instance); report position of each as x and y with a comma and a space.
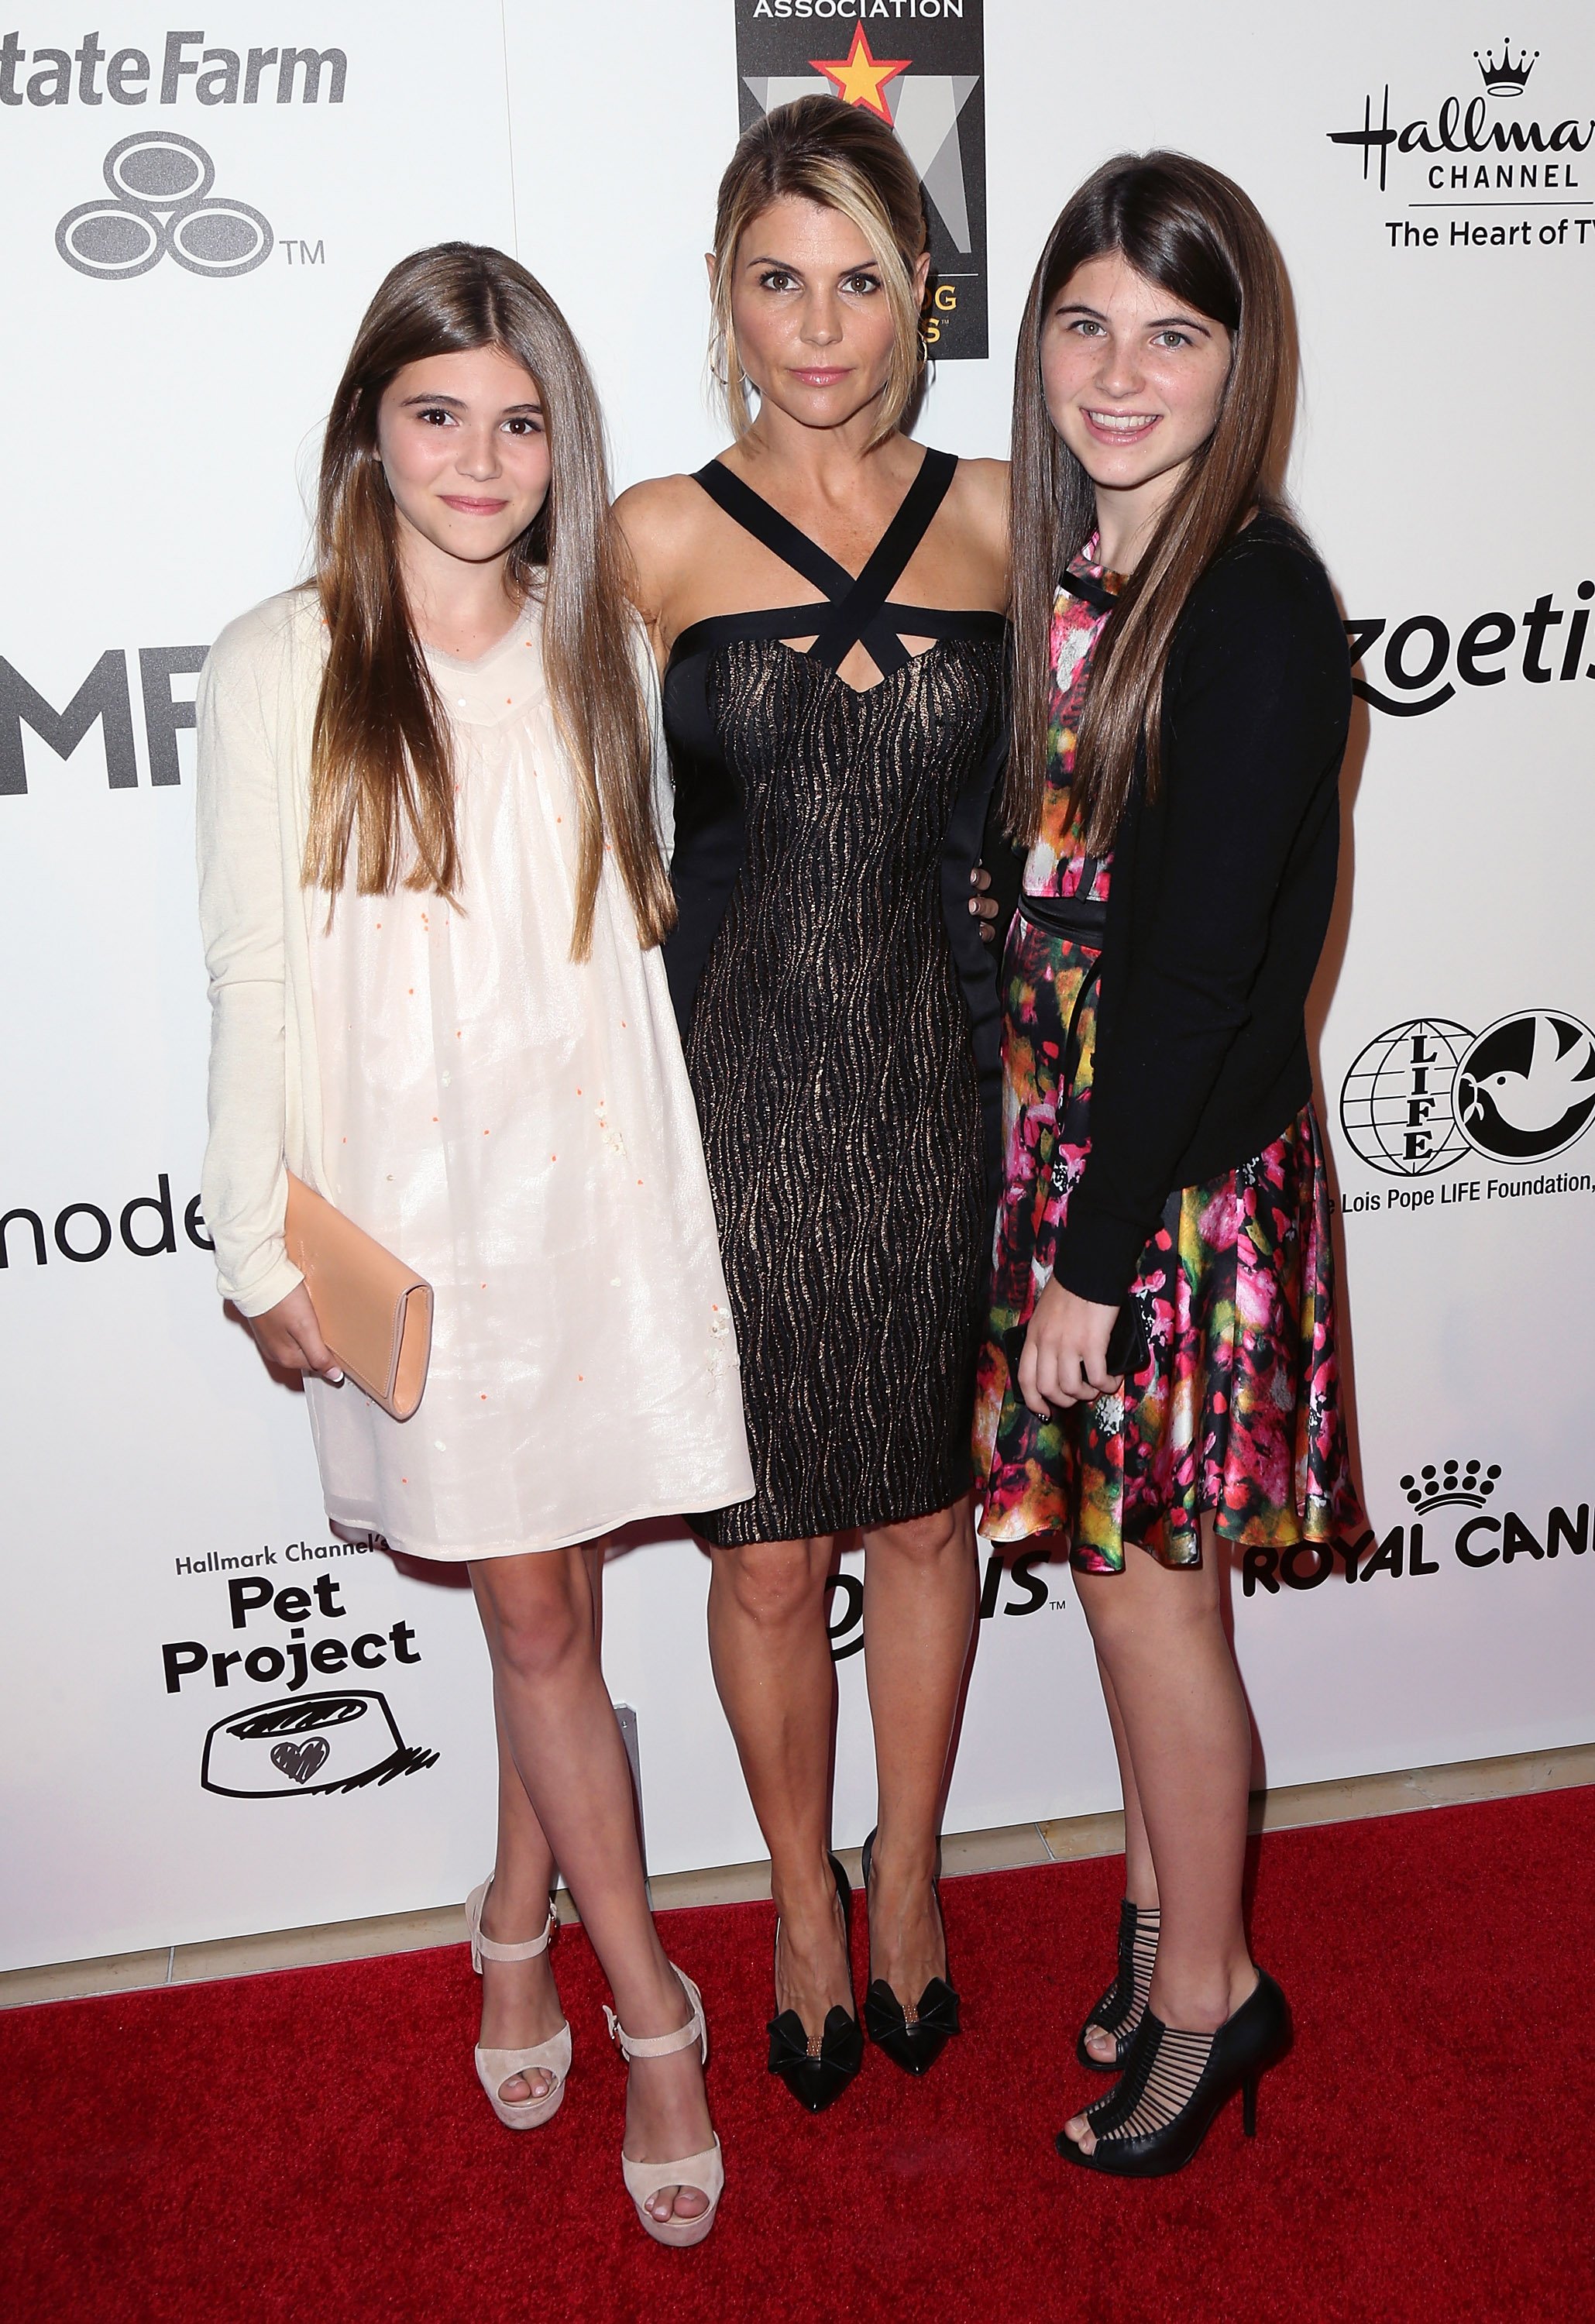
1236, 1407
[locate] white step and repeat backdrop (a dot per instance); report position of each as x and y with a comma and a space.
198, 207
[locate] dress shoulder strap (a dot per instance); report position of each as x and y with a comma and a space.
777, 532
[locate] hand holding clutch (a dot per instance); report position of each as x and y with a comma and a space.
375, 1313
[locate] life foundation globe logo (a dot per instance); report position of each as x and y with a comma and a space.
1396, 1101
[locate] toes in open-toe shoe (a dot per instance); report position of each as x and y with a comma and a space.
1118, 2010
913, 2036
705, 2172
1176, 2084
494, 2068
817, 2072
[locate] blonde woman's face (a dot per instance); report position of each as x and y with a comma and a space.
464, 448
814, 326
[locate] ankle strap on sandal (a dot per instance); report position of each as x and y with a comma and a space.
661, 2045
488, 1948
491, 1951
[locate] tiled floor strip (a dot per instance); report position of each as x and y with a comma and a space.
1402, 1793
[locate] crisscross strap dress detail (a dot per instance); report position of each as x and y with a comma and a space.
840, 1015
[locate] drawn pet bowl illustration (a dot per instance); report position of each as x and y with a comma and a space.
307, 1743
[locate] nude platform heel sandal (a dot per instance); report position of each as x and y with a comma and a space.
495, 2067
706, 2171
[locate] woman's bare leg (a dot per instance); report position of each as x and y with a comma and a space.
1159, 1633
772, 1663
921, 1589
539, 1616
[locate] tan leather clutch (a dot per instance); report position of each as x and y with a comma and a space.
375, 1313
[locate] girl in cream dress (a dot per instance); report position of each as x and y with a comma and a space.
519, 1127
433, 892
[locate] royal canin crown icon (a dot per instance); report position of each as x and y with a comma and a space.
1502, 78
1432, 1484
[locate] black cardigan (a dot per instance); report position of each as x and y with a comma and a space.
1220, 902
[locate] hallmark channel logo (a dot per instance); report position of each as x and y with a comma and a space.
1419, 662
160, 205
1417, 1547
1421, 1095
1464, 156
933, 96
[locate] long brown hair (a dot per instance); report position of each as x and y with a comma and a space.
1194, 234
843, 159
381, 769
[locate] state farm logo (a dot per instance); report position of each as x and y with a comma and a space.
1419, 661
1483, 151
160, 205
1420, 1094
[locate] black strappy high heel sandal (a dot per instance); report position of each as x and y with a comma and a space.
818, 2070
1176, 2084
913, 2037
1118, 2011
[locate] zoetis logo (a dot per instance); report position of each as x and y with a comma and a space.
930, 88
1424, 1095
1419, 662
1490, 150
1423, 1544
1012, 1586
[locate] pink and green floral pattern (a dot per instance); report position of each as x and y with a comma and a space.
1237, 1409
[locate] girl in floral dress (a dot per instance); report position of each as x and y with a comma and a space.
1160, 1375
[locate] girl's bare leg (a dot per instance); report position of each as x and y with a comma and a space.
538, 1612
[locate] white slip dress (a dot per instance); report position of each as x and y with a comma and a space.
518, 1127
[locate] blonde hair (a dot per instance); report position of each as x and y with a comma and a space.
381, 763
819, 150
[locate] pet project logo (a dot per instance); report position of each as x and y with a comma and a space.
1423, 1544
337, 1741
161, 206
1419, 663
930, 88
1025, 1592
1497, 149
1423, 1095
326, 1743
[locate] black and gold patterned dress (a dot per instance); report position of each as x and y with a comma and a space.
840, 1016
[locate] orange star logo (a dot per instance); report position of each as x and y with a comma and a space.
860, 76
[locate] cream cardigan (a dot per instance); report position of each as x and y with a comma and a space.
255, 714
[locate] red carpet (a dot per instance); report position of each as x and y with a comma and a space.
313, 2145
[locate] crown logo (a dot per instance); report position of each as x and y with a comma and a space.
1502, 78
1435, 1484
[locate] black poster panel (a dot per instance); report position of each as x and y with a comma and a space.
919, 64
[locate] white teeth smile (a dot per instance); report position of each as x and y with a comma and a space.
1123, 423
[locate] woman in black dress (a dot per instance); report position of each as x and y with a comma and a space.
829, 602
